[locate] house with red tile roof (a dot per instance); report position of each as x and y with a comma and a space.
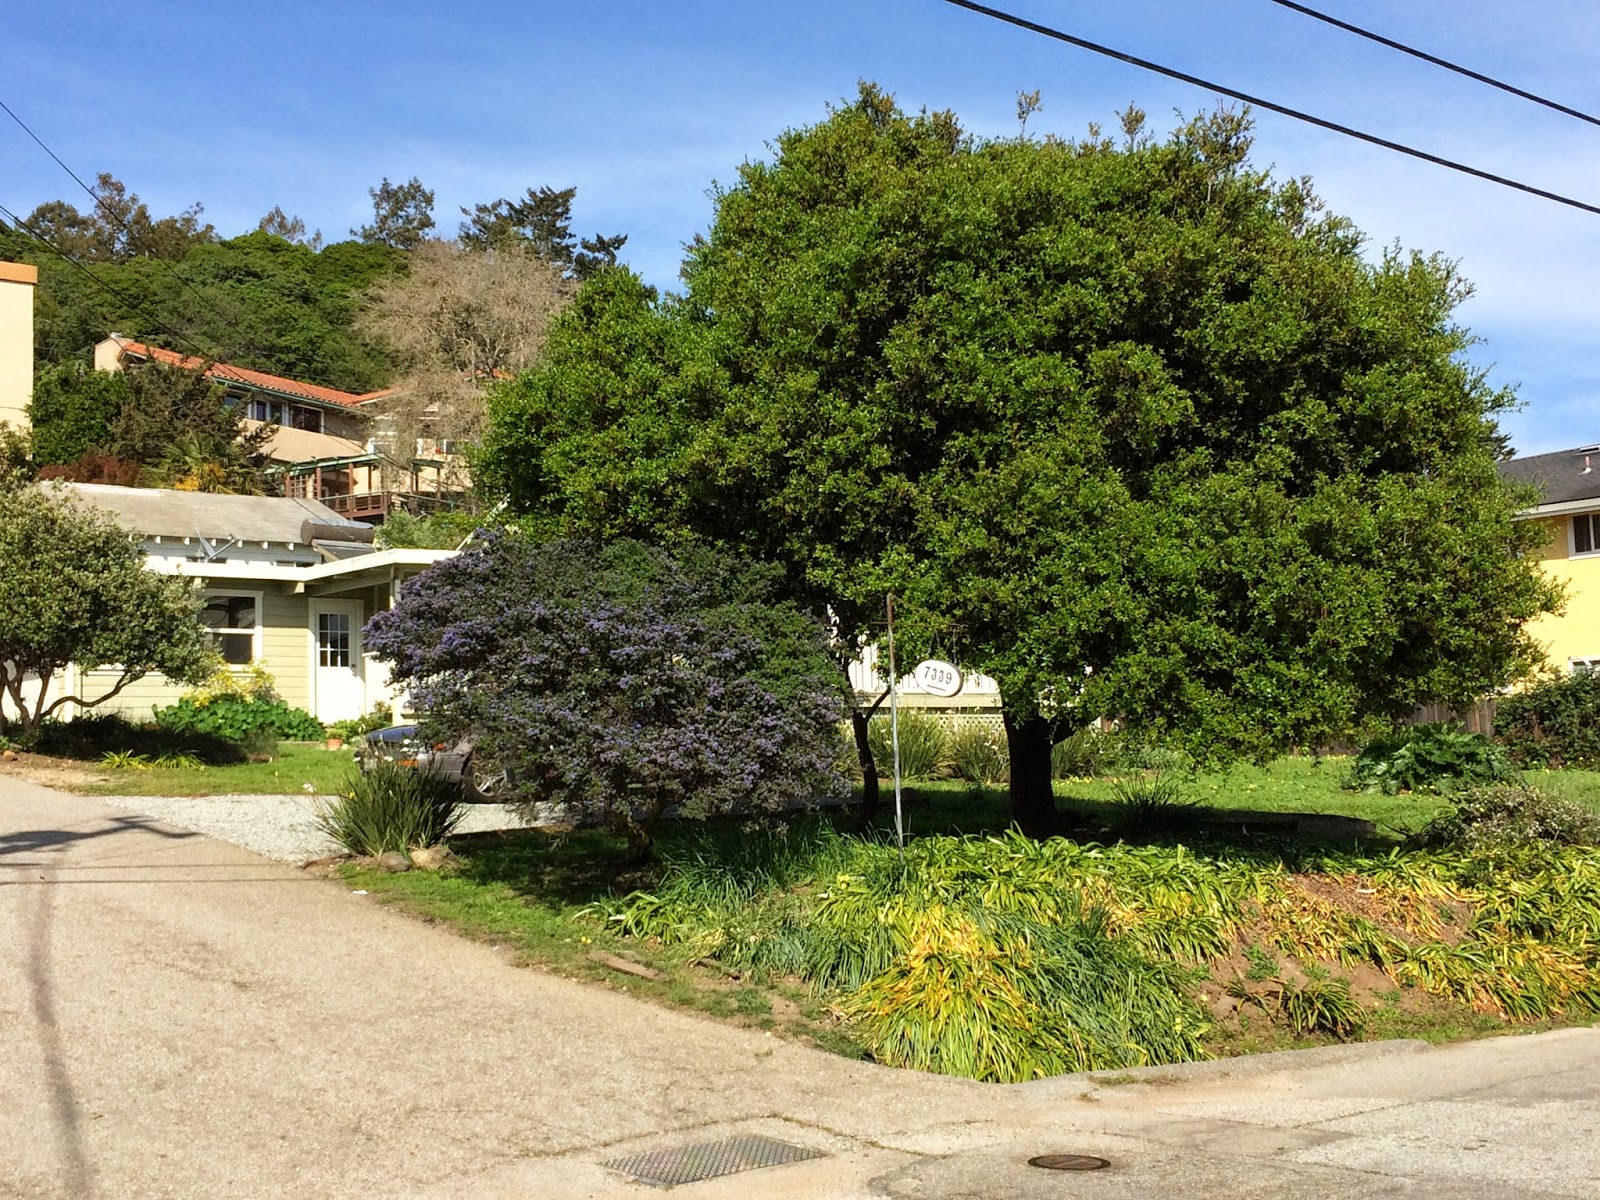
331, 446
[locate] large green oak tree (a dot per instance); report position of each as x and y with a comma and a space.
1128, 425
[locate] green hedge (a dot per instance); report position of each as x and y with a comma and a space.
1554, 724
238, 720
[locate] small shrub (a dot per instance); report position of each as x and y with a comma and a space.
125, 760
1127, 751
90, 736
181, 762
620, 680
94, 736
252, 682
259, 746
359, 727
1319, 1005
236, 719
977, 753
392, 808
924, 746
1436, 757
1152, 801
1555, 723
1510, 815
1081, 754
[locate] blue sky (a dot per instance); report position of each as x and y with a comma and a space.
642, 105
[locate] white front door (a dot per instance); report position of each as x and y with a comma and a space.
338, 692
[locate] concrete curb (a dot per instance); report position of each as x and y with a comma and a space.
1242, 1067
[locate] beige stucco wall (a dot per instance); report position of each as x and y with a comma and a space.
17, 283
1576, 633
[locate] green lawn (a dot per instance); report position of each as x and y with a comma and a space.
297, 764
1286, 785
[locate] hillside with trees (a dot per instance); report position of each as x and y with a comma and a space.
396, 303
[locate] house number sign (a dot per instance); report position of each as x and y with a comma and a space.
938, 678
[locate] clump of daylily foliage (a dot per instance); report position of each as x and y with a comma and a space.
1008, 959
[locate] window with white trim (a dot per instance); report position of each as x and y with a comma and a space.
262, 409
232, 623
333, 639
1586, 533
1582, 666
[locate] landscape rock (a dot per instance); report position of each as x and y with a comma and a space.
9, 755
433, 858
394, 862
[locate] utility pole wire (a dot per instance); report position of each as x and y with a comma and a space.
100, 203
1270, 106
1436, 60
132, 306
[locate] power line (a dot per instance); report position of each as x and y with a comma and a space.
1436, 60
1270, 106
230, 320
132, 305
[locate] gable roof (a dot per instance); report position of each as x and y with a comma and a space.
258, 380
158, 512
1562, 477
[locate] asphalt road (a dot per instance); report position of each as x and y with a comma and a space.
181, 1018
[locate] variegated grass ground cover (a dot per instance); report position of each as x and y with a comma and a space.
1005, 959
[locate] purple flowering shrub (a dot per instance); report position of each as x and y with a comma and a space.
620, 680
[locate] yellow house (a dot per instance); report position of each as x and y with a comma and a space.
17, 282
1569, 508
286, 584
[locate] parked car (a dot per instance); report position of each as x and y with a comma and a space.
403, 744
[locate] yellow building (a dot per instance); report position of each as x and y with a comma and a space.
1569, 508
17, 282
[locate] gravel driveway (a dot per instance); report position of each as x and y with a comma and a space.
280, 827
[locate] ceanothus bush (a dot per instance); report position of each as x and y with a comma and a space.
619, 679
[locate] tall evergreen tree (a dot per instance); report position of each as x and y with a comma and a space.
1132, 428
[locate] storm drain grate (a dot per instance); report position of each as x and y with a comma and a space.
708, 1160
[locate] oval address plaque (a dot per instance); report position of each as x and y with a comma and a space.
938, 678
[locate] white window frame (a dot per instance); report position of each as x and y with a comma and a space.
255, 634
1583, 664
351, 636
1594, 535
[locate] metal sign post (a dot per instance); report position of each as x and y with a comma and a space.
894, 736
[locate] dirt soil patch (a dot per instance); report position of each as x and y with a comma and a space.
64, 773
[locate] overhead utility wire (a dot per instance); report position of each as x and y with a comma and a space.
1436, 60
1270, 106
18, 223
232, 320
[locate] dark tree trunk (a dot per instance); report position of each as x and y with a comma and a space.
869, 769
1033, 801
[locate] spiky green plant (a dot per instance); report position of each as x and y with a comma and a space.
977, 753
924, 745
1153, 801
1081, 754
125, 760
392, 807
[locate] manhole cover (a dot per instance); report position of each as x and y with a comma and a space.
708, 1160
1068, 1162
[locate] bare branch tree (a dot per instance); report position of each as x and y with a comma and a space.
458, 320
